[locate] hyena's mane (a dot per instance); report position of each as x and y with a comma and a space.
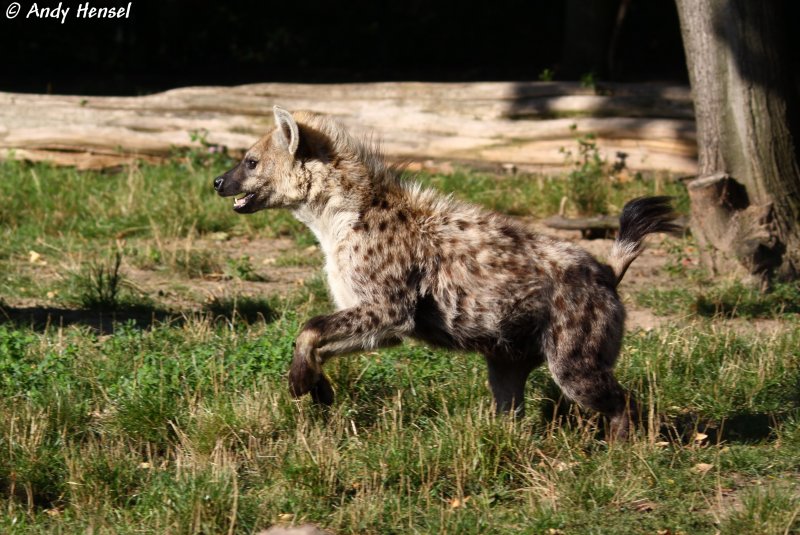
361, 155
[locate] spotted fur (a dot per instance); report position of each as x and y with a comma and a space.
403, 261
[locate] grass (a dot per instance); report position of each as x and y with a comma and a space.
166, 429
694, 293
185, 425
541, 196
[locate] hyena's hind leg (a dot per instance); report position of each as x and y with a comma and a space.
581, 352
507, 378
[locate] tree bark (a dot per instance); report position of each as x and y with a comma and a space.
746, 201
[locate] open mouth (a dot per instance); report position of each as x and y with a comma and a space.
241, 202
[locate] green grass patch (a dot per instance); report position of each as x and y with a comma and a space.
541, 195
183, 423
724, 300
189, 428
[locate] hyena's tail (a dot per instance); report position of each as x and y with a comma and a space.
639, 218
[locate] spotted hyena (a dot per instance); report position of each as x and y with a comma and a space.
404, 261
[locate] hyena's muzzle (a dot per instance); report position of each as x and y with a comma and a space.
231, 183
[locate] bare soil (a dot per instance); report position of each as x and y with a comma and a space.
176, 292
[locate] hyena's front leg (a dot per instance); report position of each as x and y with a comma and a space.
359, 328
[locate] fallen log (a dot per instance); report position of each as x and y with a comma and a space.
525, 124
595, 227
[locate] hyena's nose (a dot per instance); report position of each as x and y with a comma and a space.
218, 183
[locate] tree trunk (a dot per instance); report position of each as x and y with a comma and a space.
746, 201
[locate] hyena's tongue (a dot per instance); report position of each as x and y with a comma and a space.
238, 203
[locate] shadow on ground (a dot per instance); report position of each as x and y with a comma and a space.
41, 318
741, 428
142, 316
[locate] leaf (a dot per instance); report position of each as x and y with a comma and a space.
36, 258
455, 503
702, 468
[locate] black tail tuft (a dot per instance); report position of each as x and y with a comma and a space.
645, 215
639, 218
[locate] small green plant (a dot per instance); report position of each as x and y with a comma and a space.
682, 260
99, 285
589, 80
207, 154
588, 183
546, 75
242, 268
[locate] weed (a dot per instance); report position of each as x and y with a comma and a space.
682, 260
546, 75
100, 284
242, 268
588, 183
589, 80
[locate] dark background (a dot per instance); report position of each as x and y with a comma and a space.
177, 43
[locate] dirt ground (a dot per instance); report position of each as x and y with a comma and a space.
184, 293
179, 293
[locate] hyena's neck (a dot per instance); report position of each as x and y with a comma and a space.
331, 223
333, 227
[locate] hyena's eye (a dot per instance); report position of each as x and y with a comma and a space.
251, 164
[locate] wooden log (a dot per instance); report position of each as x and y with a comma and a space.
603, 226
525, 124
595, 227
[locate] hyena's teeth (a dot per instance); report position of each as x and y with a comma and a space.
241, 201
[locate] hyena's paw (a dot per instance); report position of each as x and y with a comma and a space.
322, 391
302, 378
305, 371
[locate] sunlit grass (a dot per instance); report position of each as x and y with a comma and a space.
183, 423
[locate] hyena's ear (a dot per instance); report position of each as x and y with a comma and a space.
287, 126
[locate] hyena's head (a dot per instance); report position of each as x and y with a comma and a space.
270, 174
